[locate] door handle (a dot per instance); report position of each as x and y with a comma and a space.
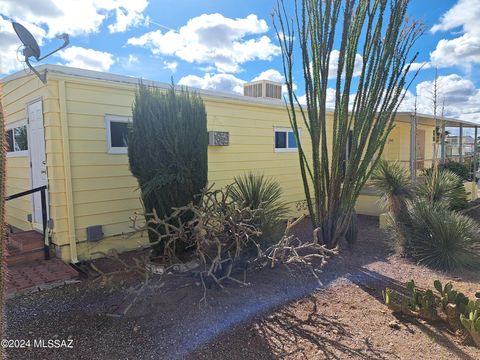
43, 171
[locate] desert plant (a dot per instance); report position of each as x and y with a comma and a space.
218, 229
418, 303
422, 302
394, 184
450, 296
452, 306
264, 195
383, 35
422, 222
471, 321
167, 149
464, 171
443, 186
441, 238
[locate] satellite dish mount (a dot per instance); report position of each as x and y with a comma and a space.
31, 47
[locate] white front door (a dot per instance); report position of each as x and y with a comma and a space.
36, 145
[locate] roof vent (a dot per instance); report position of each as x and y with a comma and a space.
263, 89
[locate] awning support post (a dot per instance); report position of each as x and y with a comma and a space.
442, 143
413, 148
475, 166
460, 143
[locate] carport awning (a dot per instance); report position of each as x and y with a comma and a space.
426, 119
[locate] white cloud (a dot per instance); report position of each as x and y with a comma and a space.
275, 75
132, 60
465, 14
330, 101
172, 66
218, 82
75, 17
462, 98
213, 39
47, 18
9, 45
272, 75
87, 58
464, 50
127, 14
418, 65
333, 69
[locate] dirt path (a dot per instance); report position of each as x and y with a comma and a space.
342, 317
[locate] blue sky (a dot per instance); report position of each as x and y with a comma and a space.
220, 44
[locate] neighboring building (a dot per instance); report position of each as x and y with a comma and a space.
452, 146
70, 135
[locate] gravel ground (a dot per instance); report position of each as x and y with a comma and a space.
284, 313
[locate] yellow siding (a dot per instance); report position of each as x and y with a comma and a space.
397, 147
15, 96
104, 192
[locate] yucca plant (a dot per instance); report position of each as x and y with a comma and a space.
423, 222
264, 194
442, 239
394, 184
443, 186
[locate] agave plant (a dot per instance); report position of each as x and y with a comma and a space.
260, 193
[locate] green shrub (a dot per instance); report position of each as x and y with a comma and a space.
167, 149
265, 195
394, 184
424, 224
463, 170
442, 239
443, 187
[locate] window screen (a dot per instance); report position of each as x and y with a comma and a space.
119, 134
280, 140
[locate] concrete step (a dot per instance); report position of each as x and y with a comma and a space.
26, 240
15, 256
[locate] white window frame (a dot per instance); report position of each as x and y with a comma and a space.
287, 130
12, 126
109, 118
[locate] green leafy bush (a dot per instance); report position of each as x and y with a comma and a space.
463, 170
167, 149
423, 222
264, 195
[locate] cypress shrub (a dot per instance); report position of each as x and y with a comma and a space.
167, 149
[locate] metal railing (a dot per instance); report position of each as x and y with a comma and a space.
43, 200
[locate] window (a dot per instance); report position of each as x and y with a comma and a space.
285, 140
17, 141
117, 133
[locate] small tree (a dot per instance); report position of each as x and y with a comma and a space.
167, 149
333, 176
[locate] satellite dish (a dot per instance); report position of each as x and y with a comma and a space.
31, 47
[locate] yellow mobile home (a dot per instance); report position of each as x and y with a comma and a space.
67, 134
